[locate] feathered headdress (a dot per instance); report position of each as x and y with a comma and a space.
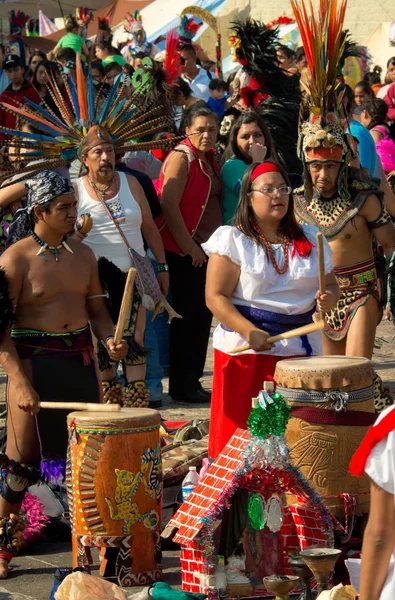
172, 65
266, 88
322, 138
61, 140
133, 21
188, 28
18, 20
84, 15
104, 33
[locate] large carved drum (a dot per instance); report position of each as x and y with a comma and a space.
332, 408
115, 491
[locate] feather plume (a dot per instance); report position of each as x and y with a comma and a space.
325, 43
172, 65
82, 92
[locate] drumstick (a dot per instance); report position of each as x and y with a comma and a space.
90, 406
125, 306
321, 266
310, 328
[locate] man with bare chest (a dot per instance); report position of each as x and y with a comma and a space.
350, 213
48, 355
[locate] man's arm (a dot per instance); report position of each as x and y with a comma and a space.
26, 397
99, 317
380, 223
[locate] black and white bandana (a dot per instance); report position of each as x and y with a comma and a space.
46, 186
41, 188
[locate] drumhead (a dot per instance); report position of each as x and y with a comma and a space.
126, 417
325, 373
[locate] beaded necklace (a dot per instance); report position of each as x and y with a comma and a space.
55, 250
100, 191
267, 245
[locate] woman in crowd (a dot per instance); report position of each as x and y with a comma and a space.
35, 58
374, 117
44, 71
262, 280
389, 78
72, 39
249, 141
285, 59
105, 52
181, 95
362, 92
191, 192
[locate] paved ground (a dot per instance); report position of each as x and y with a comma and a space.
32, 574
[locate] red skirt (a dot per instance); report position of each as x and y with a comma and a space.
236, 380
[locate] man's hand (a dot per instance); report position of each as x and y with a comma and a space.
326, 301
258, 340
163, 280
27, 398
116, 351
79, 237
197, 255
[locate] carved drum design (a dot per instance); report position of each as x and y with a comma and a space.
115, 491
332, 408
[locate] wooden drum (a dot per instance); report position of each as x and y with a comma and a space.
332, 408
115, 491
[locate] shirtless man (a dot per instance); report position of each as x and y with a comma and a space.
349, 213
48, 354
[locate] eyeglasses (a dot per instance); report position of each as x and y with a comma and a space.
270, 190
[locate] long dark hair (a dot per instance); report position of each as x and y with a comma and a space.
244, 212
232, 149
377, 109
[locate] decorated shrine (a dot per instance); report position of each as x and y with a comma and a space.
242, 509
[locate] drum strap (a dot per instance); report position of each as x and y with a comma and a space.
354, 418
338, 398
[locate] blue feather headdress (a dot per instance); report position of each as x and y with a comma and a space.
60, 140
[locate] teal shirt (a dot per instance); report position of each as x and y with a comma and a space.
232, 175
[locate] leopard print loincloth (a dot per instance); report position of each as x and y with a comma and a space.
357, 284
382, 395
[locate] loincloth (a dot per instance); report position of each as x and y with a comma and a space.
113, 282
63, 370
357, 284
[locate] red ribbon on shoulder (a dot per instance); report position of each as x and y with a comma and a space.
374, 436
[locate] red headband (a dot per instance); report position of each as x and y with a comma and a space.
266, 167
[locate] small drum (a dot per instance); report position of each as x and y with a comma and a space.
115, 491
332, 408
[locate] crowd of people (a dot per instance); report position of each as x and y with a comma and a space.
213, 193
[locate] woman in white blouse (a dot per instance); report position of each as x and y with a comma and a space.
262, 280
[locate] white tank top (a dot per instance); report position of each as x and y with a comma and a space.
104, 237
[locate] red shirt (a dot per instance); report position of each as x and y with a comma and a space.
15, 97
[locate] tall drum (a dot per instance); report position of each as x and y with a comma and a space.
115, 491
332, 408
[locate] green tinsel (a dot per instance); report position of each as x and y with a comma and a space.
271, 420
257, 512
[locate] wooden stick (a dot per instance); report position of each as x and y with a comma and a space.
90, 406
321, 267
125, 306
310, 328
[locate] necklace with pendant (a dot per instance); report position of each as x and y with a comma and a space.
55, 250
268, 246
102, 191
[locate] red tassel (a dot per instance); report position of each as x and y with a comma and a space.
303, 247
376, 434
